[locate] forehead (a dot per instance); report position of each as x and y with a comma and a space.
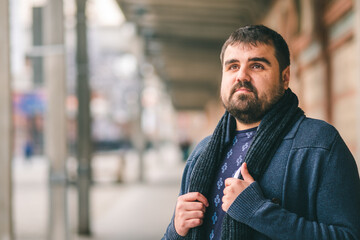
247, 50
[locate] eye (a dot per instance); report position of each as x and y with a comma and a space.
257, 66
233, 67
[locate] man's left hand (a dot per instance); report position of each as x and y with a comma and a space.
234, 186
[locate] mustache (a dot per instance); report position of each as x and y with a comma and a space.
243, 84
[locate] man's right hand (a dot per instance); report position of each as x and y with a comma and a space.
189, 212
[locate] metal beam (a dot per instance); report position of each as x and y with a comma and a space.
37, 40
204, 33
199, 3
192, 43
6, 226
84, 150
181, 12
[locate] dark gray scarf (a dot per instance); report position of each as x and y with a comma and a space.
274, 126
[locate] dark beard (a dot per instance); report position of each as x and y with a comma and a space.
249, 108
251, 112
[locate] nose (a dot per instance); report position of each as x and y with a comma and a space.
242, 75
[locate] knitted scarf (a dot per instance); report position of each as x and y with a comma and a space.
274, 126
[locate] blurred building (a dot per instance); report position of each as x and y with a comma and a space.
183, 41
180, 42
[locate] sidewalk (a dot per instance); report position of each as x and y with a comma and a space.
133, 212
126, 211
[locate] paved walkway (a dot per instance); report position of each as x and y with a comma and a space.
133, 212
126, 211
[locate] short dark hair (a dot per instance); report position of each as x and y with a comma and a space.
254, 34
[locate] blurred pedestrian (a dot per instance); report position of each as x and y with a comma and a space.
28, 150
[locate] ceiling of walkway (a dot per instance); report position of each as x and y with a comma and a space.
183, 39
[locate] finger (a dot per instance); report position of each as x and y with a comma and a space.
182, 226
224, 199
225, 205
188, 215
245, 173
195, 196
191, 223
225, 191
192, 206
229, 181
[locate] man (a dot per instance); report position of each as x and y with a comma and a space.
297, 179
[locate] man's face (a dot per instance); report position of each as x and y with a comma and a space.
251, 81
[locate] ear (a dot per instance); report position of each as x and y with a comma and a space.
285, 77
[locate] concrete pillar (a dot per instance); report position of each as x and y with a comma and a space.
84, 150
55, 118
138, 137
6, 228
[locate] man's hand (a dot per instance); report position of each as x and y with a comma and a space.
234, 186
189, 212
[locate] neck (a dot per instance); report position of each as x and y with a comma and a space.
240, 126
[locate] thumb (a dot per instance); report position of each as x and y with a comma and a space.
245, 174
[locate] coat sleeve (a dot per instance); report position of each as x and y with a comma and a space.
171, 233
336, 204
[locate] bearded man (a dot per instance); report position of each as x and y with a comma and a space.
267, 171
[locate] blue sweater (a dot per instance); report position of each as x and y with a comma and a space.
311, 189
